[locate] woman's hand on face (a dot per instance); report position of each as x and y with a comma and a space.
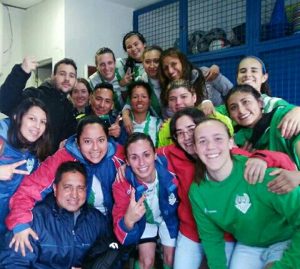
290, 124
21, 240
284, 182
255, 170
8, 170
135, 210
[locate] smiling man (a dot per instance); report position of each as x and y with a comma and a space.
102, 105
65, 225
106, 66
52, 93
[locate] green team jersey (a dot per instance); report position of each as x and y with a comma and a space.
271, 138
269, 104
252, 214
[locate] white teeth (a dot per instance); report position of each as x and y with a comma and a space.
143, 169
212, 156
244, 116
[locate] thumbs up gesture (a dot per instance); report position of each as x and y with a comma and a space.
135, 210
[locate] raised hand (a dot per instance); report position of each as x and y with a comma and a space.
29, 64
135, 210
127, 78
8, 170
115, 129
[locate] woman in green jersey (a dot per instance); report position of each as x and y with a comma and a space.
265, 225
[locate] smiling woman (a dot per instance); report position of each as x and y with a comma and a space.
256, 129
80, 96
24, 139
139, 93
265, 225
91, 147
146, 202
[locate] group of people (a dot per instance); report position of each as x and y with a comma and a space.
148, 147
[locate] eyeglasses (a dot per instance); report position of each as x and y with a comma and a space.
180, 134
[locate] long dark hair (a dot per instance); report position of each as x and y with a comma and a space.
242, 88
189, 72
42, 146
130, 62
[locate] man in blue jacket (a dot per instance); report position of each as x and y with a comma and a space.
65, 225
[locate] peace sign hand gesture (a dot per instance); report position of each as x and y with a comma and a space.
135, 210
8, 170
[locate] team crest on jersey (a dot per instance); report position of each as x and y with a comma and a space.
172, 199
29, 165
243, 203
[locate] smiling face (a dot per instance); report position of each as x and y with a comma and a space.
213, 145
134, 47
65, 77
102, 101
93, 142
172, 67
250, 72
80, 95
244, 108
33, 124
180, 98
106, 66
141, 158
139, 100
70, 192
151, 63
185, 134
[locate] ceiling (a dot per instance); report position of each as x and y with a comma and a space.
21, 3
134, 4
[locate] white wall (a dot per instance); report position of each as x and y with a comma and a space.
14, 50
44, 30
92, 24
64, 28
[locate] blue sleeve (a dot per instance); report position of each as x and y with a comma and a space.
9, 259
